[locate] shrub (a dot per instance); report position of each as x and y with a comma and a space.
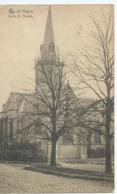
96, 153
24, 152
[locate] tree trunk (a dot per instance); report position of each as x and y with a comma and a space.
53, 153
108, 165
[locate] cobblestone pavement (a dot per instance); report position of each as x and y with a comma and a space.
14, 179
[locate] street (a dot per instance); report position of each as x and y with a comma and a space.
15, 179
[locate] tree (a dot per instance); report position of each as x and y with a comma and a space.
94, 69
52, 104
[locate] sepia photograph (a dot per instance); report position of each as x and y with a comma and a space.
57, 98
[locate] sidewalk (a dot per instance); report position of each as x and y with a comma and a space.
93, 167
70, 172
97, 161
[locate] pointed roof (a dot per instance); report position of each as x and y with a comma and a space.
49, 35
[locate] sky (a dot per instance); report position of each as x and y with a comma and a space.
22, 33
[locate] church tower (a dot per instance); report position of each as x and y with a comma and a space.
47, 50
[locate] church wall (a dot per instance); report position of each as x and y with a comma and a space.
64, 152
68, 151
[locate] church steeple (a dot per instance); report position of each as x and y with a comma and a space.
49, 34
48, 46
47, 52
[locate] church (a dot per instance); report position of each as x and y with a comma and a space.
20, 110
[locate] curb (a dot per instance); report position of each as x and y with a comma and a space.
68, 175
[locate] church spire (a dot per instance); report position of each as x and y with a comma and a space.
48, 47
48, 57
49, 35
